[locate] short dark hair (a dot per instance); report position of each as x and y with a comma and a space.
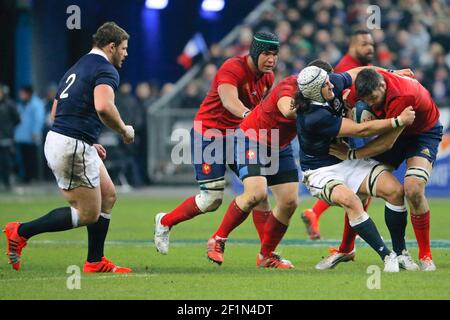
322, 64
107, 33
367, 81
357, 32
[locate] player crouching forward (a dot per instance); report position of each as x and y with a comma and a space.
337, 181
264, 158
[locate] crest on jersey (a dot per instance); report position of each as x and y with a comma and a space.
206, 168
251, 154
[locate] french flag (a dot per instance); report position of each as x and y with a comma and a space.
195, 46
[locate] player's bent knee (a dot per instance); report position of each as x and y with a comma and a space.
88, 217
414, 191
289, 204
211, 195
108, 201
374, 175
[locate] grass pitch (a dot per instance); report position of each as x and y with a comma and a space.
185, 273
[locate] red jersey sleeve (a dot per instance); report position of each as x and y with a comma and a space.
230, 73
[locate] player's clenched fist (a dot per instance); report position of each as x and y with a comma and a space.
128, 135
407, 116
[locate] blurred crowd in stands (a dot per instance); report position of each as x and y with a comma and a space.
412, 34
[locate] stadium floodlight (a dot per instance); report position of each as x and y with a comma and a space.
156, 4
213, 5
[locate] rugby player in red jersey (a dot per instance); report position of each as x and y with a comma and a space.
264, 159
360, 53
239, 85
388, 95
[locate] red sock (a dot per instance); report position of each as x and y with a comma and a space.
348, 238
232, 219
273, 233
320, 207
421, 226
259, 219
185, 211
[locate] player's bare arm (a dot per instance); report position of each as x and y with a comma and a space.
108, 113
375, 147
53, 112
287, 108
349, 128
230, 100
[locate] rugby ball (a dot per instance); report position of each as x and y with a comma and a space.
361, 112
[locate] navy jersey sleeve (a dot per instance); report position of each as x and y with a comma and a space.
340, 81
107, 75
326, 124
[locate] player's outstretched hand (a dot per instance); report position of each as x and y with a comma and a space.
407, 116
339, 149
100, 150
405, 73
128, 135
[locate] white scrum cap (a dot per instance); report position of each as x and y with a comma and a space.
310, 81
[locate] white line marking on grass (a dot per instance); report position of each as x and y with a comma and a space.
85, 277
438, 243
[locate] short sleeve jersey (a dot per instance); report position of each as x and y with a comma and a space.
251, 87
266, 117
76, 116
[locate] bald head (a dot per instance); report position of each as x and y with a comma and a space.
361, 46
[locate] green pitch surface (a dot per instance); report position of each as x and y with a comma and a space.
186, 273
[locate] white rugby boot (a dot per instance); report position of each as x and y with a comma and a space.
335, 258
161, 235
391, 263
405, 261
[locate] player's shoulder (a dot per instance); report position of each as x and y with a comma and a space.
315, 115
236, 62
287, 84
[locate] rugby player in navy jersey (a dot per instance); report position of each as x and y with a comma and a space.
85, 100
333, 180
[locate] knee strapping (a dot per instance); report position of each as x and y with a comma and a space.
418, 172
374, 174
211, 195
328, 190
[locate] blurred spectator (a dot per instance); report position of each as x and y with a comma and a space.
28, 134
167, 88
10, 118
144, 94
216, 56
50, 95
191, 97
208, 74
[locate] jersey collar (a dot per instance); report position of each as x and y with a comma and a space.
99, 52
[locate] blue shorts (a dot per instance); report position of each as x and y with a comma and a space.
209, 156
253, 159
423, 145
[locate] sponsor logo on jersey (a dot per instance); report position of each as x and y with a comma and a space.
426, 152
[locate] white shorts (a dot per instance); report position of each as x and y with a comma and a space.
350, 172
73, 162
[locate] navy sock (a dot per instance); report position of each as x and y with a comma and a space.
96, 239
56, 220
396, 220
368, 231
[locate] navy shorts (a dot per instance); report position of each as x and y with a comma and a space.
423, 145
209, 156
253, 159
